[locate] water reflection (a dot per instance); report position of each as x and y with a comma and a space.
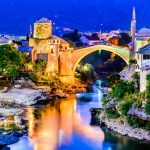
57, 125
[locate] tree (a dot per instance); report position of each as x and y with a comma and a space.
136, 80
148, 87
113, 80
86, 73
122, 89
10, 60
125, 106
39, 68
147, 106
125, 39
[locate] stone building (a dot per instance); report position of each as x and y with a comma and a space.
47, 46
144, 64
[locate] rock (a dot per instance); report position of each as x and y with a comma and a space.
6, 148
125, 129
139, 113
17, 133
112, 104
7, 140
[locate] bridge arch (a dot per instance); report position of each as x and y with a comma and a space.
79, 54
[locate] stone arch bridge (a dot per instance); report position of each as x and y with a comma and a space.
70, 60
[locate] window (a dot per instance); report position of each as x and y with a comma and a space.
52, 51
146, 57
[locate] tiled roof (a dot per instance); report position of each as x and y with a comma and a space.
145, 50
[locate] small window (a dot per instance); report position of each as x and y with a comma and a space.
146, 57
52, 51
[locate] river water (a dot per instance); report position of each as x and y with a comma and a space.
65, 125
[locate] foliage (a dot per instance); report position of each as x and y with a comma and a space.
125, 106
85, 73
73, 38
132, 62
125, 39
148, 87
113, 80
147, 126
39, 68
136, 81
135, 122
112, 113
10, 61
147, 107
104, 101
122, 89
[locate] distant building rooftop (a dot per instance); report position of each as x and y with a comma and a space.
43, 20
144, 31
5, 40
91, 38
145, 49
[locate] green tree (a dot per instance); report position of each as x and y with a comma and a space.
125, 39
122, 89
113, 80
86, 73
39, 68
136, 81
147, 106
125, 106
9, 61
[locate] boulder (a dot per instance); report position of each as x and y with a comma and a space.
17, 133
6, 148
7, 140
139, 113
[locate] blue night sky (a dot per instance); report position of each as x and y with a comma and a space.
85, 15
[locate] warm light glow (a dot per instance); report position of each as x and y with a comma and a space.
57, 125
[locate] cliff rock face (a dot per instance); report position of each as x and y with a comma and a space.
139, 113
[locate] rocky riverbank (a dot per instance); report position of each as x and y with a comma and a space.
15, 100
124, 128
99, 118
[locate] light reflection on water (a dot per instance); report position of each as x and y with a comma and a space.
65, 126
61, 126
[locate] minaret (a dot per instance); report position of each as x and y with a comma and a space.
30, 32
133, 29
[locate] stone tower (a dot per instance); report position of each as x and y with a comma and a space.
133, 29
43, 29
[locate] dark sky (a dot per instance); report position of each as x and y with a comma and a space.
85, 15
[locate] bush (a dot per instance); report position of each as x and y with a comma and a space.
147, 108
104, 101
125, 106
113, 80
33, 78
112, 113
135, 122
122, 89
148, 126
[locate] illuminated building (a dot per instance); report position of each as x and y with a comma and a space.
46, 46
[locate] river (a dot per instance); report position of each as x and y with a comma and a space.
65, 125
